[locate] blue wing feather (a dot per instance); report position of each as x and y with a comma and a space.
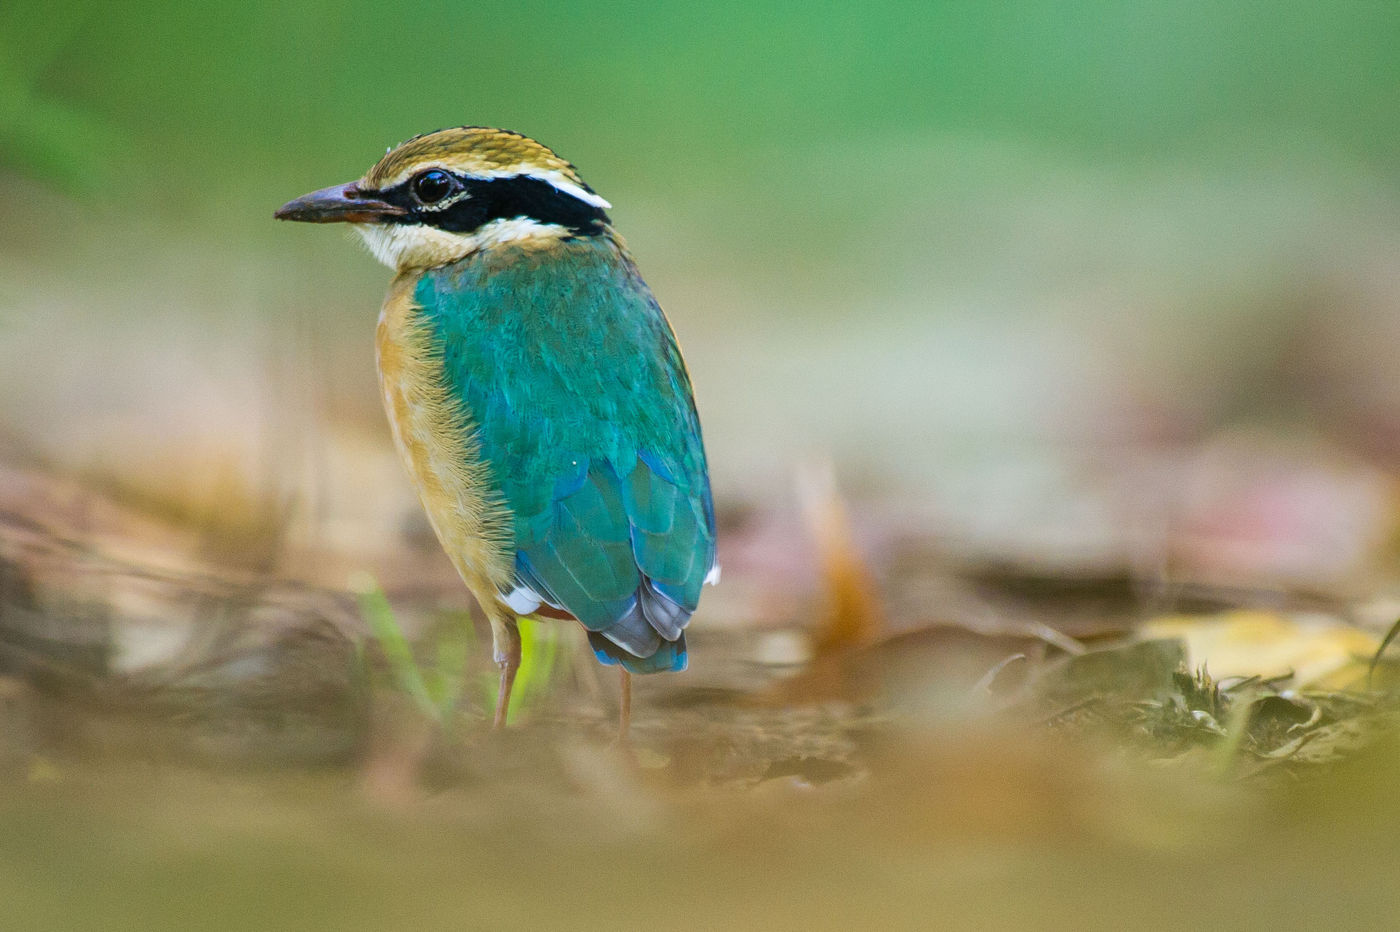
587, 425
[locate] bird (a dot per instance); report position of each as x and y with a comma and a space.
537, 395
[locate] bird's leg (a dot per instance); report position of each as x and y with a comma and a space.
624, 709
505, 638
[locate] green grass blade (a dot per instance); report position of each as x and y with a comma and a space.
374, 605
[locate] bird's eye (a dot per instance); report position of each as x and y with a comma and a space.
432, 186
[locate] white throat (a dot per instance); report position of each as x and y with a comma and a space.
418, 246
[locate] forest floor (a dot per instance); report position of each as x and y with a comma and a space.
188, 743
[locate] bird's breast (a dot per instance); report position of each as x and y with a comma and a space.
436, 438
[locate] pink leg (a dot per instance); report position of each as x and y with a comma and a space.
624, 711
508, 659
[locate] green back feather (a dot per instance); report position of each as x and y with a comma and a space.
585, 420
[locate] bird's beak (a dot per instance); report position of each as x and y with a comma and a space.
342, 203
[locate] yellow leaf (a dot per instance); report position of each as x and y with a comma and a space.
1319, 651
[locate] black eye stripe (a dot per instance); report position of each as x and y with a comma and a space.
489, 199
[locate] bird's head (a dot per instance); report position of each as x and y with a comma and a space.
444, 195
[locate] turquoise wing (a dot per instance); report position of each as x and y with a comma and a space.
586, 422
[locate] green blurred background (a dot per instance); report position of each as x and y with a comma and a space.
915, 236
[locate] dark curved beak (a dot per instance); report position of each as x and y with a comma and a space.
342, 203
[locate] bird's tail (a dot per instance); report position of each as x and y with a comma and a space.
670, 657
